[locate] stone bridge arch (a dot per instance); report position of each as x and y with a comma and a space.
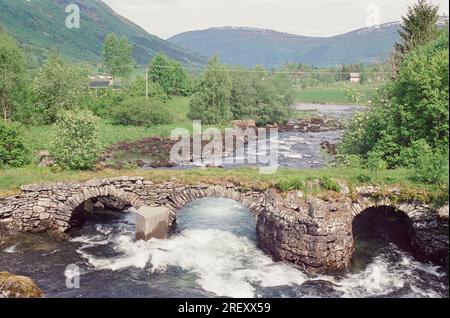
388, 224
427, 224
252, 200
314, 232
109, 196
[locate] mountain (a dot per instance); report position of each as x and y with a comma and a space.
39, 27
249, 46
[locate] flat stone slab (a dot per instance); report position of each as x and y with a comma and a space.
152, 222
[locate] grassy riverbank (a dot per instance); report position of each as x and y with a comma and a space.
40, 137
337, 93
12, 179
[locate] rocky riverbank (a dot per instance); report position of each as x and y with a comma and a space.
12, 286
154, 152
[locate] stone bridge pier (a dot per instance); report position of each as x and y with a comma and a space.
315, 233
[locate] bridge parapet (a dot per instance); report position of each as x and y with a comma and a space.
315, 233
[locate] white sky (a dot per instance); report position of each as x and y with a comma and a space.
165, 18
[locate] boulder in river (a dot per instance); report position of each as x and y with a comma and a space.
12, 286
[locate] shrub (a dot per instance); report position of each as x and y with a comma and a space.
12, 77
139, 111
104, 99
375, 161
364, 178
350, 161
290, 183
60, 86
327, 183
409, 114
263, 98
76, 144
170, 76
432, 166
13, 151
137, 89
212, 102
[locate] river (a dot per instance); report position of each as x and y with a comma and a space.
213, 253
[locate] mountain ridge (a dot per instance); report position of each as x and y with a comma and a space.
249, 46
42, 30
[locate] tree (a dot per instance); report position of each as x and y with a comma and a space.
58, 86
139, 111
258, 96
13, 151
410, 116
211, 103
12, 75
75, 144
170, 75
137, 89
418, 28
117, 56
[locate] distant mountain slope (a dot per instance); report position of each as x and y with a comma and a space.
39, 26
247, 46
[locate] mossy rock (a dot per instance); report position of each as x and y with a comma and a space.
12, 286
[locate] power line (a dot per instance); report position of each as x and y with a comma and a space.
231, 70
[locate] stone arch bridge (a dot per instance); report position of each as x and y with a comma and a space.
314, 233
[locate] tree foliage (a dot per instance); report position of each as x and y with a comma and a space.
410, 118
212, 101
59, 86
169, 75
137, 89
13, 151
117, 56
12, 76
419, 27
258, 96
75, 144
139, 111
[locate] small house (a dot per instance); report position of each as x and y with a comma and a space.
354, 77
100, 81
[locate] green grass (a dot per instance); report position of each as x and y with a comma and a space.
39, 137
284, 179
336, 93
303, 114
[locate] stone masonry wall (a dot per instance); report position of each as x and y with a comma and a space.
313, 233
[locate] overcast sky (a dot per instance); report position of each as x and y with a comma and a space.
165, 18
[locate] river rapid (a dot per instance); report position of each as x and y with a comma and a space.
214, 253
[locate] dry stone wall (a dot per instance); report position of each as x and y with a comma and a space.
314, 233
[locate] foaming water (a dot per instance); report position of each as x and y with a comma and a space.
215, 253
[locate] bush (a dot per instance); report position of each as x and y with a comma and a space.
258, 96
364, 178
327, 183
103, 99
170, 76
13, 151
290, 183
212, 102
60, 86
137, 89
432, 167
139, 111
76, 144
375, 161
349, 161
12, 77
409, 117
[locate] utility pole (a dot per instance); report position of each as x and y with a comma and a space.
146, 83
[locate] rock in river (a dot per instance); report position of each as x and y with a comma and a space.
12, 286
